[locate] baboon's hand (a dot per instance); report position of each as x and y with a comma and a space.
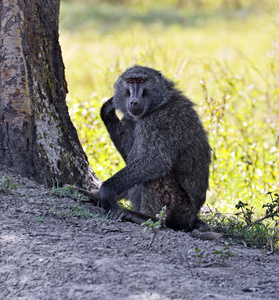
94, 195
129, 215
107, 109
117, 214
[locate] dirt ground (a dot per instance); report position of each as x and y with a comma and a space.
48, 252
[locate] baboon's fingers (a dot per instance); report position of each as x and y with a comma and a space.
134, 217
129, 215
94, 195
117, 215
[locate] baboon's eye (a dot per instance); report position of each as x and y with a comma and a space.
131, 81
142, 80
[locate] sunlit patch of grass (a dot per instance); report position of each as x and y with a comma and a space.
245, 228
226, 63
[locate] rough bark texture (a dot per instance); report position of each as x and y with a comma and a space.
37, 137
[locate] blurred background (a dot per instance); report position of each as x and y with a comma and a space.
223, 55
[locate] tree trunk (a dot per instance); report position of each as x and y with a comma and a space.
37, 137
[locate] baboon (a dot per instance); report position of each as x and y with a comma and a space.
164, 145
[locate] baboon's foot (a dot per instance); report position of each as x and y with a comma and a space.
200, 225
203, 231
208, 235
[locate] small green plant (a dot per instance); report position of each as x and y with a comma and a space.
66, 210
67, 191
220, 252
223, 252
155, 226
246, 211
260, 233
272, 207
6, 183
196, 253
81, 212
107, 216
27, 197
40, 219
272, 210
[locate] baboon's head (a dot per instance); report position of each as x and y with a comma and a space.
141, 90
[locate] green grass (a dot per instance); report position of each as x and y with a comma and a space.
7, 183
225, 58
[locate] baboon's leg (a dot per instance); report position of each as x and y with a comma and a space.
117, 214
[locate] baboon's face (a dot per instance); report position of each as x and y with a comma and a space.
139, 91
136, 91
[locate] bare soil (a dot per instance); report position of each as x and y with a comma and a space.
48, 252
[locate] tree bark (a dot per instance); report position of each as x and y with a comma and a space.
37, 137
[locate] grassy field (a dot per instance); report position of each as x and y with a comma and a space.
225, 57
